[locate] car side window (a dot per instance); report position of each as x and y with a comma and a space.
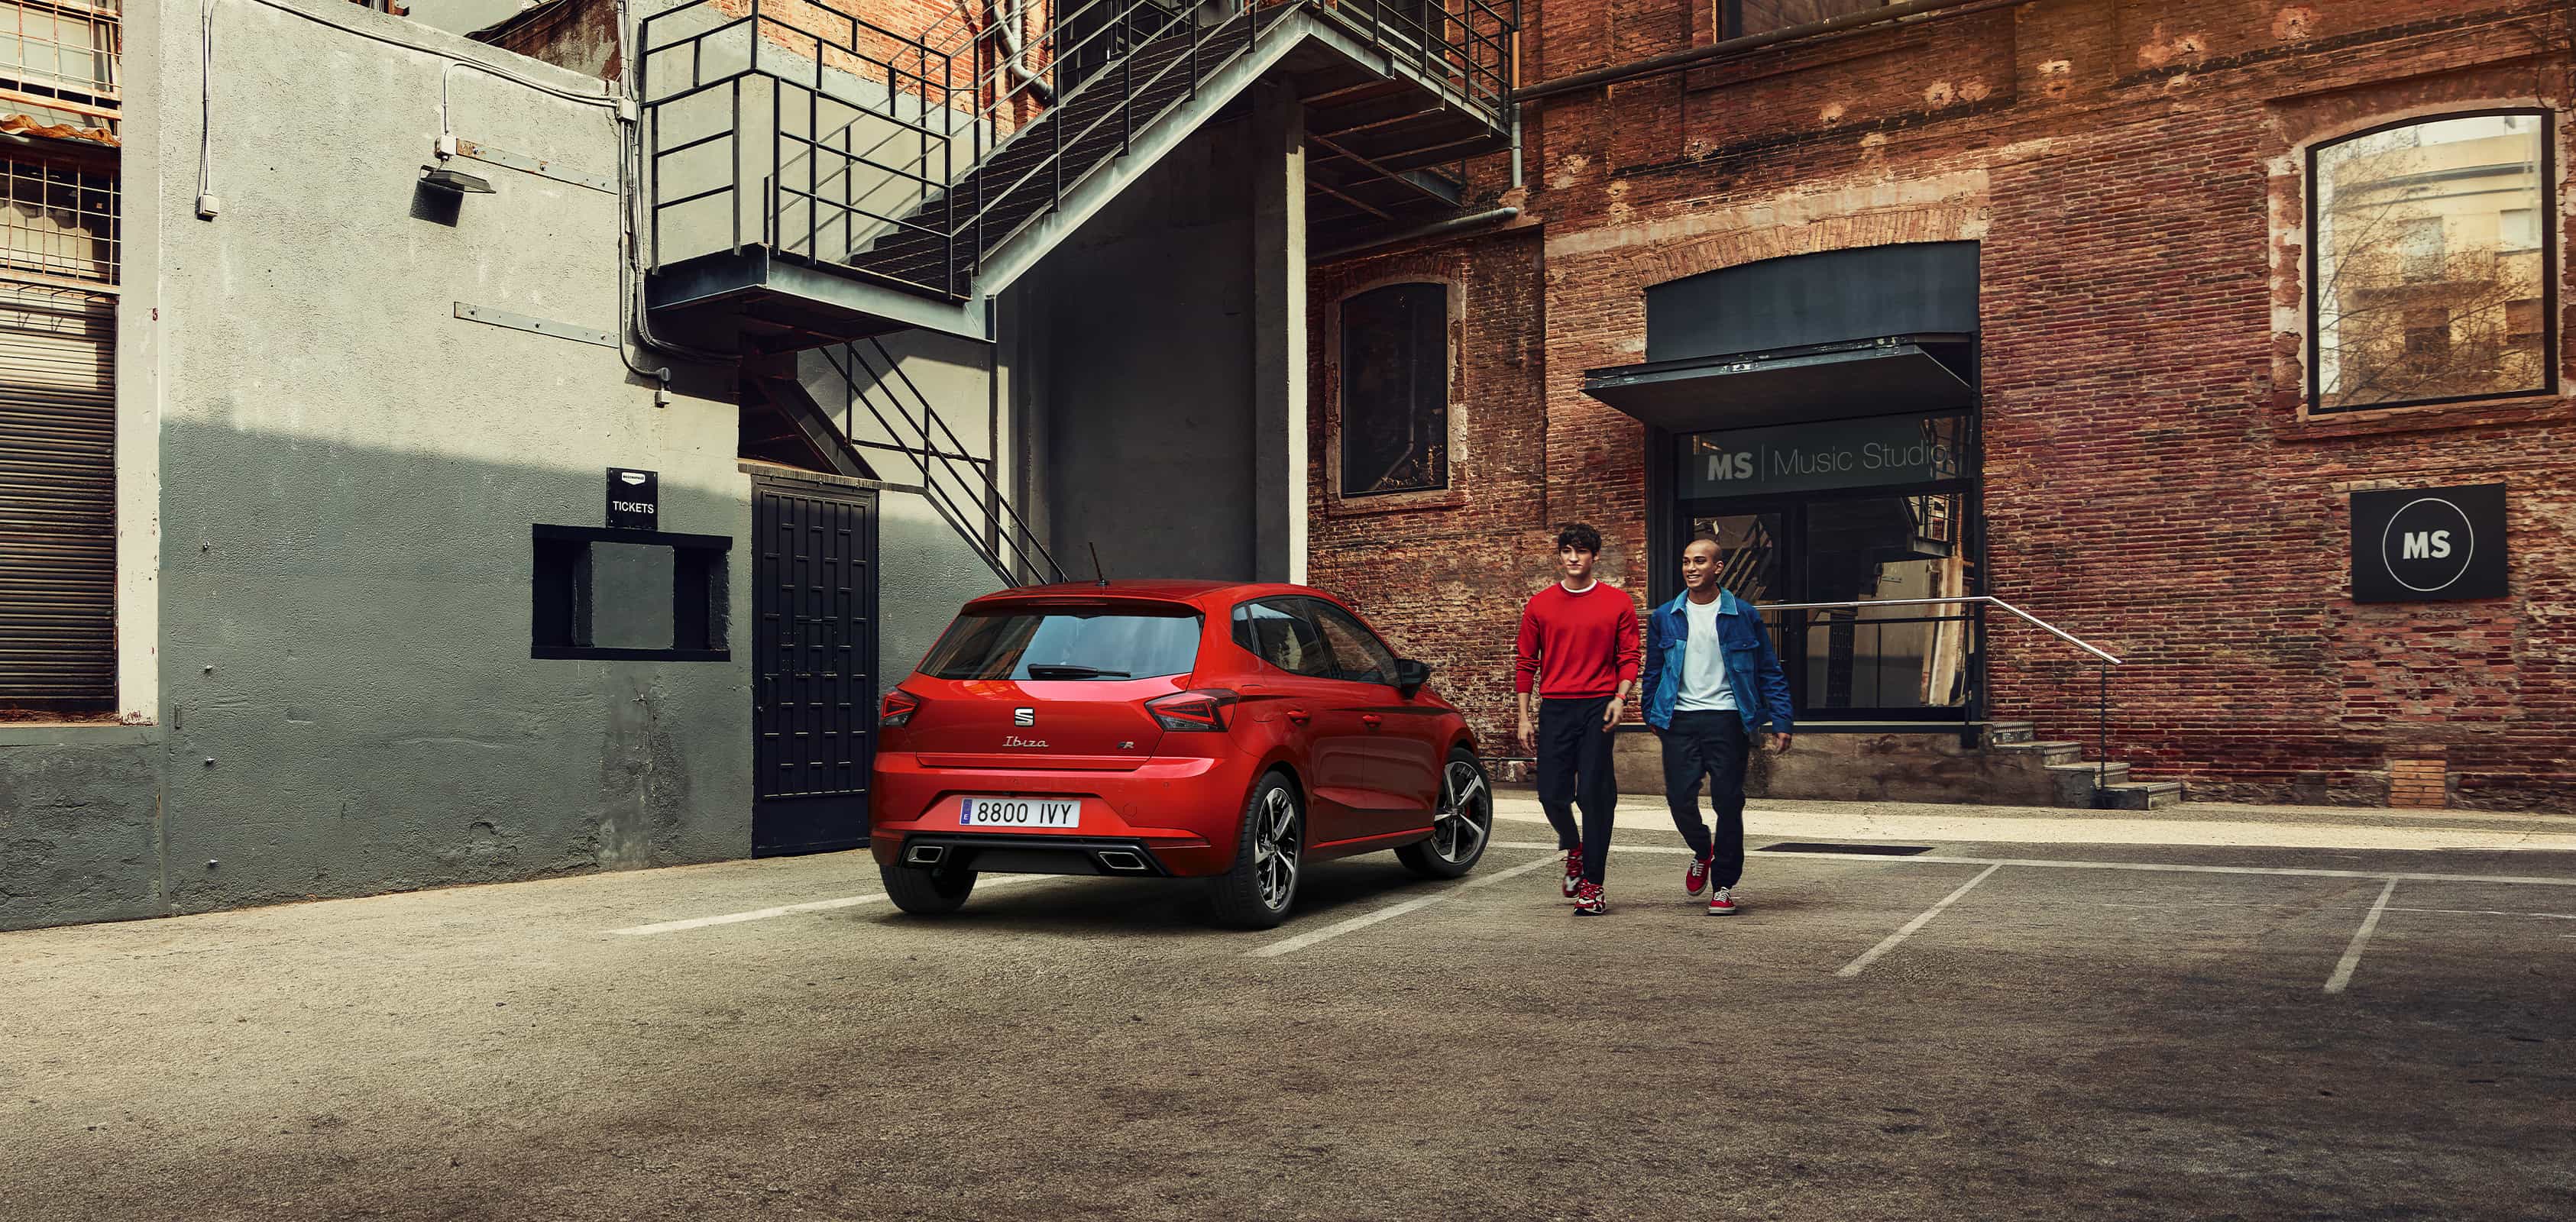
1278, 635
1358, 655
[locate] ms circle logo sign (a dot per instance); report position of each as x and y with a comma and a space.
2431, 544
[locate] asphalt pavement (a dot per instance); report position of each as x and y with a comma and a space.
2029, 1014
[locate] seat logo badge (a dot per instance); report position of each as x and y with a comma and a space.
1024, 717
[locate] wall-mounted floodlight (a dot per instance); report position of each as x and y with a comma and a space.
454, 182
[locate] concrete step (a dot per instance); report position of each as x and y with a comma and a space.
2050, 753
2002, 733
2143, 795
2075, 781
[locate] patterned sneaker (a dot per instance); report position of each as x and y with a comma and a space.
1722, 903
1588, 900
1695, 879
1573, 870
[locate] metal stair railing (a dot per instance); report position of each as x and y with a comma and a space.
2102, 658
997, 528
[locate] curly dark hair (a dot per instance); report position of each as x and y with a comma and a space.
1580, 537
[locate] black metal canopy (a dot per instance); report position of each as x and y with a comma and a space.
1878, 377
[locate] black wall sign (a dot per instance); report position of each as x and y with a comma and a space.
634, 498
2428, 544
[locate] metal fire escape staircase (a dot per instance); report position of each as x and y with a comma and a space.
818, 180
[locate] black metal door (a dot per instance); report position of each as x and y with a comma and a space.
814, 645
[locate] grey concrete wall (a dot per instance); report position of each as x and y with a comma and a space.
1148, 397
349, 473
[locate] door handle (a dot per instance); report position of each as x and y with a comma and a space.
1296, 715
1372, 720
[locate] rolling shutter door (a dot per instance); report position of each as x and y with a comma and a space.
57, 498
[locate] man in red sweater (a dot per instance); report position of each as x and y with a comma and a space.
1578, 649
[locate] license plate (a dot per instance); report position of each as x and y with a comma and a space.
1018, 812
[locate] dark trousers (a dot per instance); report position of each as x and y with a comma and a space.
1574, 770
1709, 745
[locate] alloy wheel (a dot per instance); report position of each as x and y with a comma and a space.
1466, 814
1274, 848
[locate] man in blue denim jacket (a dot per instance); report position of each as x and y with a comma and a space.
1712, 682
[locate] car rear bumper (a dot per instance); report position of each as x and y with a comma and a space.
1178, 816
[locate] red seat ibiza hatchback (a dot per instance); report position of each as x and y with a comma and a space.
1172, 729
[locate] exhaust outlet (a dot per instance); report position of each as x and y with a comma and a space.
1123, 860
926, 854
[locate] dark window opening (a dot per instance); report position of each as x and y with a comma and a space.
1068, 644
1395, 390
1763, 16
628, 595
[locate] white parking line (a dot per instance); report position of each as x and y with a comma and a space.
2155, 867
2360, 938
1366, 919
763, 914
1871, 955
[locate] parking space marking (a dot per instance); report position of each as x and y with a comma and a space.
1366, 919
2360, 939
2152, 867
1893, 940
763, 914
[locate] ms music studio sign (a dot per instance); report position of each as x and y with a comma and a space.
2428, 544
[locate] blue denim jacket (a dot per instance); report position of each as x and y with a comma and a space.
1752, 666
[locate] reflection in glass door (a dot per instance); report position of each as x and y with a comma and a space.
1873, 549
1748, 554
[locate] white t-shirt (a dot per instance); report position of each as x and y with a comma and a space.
1704, 686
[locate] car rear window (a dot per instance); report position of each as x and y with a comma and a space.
1066, 643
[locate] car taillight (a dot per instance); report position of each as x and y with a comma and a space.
899, 705
1202, 710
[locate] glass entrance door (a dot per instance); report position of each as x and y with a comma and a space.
1903, 656
1896, 661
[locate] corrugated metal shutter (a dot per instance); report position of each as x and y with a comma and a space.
57, 498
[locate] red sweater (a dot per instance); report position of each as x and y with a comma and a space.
1577, 646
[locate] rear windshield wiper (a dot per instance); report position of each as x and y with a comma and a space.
1070, 670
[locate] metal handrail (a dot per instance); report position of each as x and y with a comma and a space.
2102, 705
1984, 599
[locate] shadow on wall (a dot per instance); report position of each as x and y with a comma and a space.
925, 573
350, 707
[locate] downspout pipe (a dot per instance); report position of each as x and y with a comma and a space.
1470, 221
1676, 60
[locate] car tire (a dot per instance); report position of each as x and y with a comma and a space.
927, 892
1463, 825
1269, 855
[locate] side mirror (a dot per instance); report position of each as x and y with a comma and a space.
1410, 676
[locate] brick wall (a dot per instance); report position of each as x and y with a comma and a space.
2135, 174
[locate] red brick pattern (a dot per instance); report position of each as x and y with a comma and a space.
2135, 174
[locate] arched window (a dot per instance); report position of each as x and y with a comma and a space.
2434, 273
1395, 390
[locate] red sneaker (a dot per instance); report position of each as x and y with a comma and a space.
1722, 903
1573, 870
1588, 900
1696, 878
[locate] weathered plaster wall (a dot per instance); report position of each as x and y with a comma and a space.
348, 476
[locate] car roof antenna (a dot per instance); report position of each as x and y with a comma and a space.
1098, 577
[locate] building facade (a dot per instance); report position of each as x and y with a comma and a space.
429, 459
2134, 316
